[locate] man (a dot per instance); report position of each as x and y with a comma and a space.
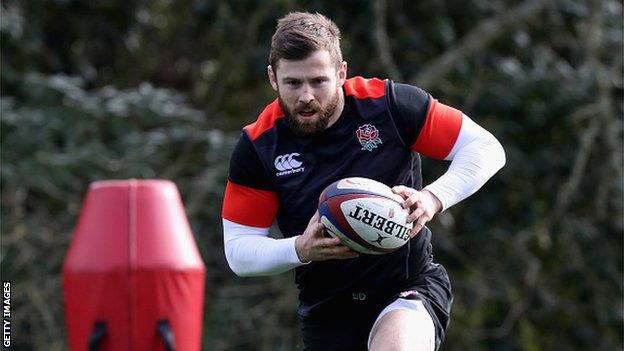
308, 138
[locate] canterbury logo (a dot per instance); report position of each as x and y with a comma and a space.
288, 164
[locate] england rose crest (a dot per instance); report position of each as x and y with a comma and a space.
368, 136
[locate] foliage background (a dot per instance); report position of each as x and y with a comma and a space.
108, 89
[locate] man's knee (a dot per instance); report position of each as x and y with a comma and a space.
403, 330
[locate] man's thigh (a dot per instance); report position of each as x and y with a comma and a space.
334, 336
403, 325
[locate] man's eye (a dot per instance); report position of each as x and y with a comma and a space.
292, 83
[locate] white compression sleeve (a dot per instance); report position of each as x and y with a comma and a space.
250, 252
476, 157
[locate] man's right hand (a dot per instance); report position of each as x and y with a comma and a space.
313, 246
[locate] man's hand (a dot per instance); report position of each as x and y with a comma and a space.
423, 205
313, 246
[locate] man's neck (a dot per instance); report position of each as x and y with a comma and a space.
339, 108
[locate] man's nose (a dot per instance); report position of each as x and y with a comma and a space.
306, 96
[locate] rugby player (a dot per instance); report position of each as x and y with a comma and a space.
323, 127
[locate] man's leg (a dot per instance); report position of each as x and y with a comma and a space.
347, 335
403, 325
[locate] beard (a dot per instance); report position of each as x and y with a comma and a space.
304, 128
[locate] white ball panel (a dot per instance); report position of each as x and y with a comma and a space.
379, 221
333, 231
368, 185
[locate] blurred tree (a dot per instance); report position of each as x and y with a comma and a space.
56, 139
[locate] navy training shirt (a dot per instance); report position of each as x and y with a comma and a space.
275, 175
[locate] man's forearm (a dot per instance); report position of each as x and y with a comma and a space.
250, 252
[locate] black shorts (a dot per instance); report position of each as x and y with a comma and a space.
347, 322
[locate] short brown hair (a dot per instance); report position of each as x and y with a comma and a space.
299, 34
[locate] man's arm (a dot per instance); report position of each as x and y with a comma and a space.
250, 205
250, 252
475, 157
442, 132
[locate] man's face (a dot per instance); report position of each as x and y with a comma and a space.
309, 91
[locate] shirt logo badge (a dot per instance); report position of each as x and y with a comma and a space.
288, 164
368, 135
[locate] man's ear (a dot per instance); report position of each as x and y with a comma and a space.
272, 77
342, 73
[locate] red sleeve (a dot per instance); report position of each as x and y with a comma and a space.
439, 132
249, 206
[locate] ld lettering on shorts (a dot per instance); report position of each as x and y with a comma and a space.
359, 296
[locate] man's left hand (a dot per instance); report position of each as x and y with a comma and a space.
423, 205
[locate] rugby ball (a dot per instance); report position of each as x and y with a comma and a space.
365, 215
